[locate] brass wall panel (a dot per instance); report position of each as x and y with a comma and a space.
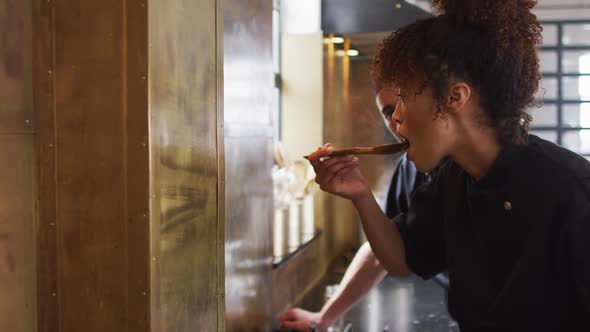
16, 94
44, 92
90, 212
248, 73
137, 163
17, 250
18, 302
248, 248
248, 83
90, 101
184, 168
220, 170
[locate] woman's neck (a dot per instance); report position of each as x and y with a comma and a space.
477, 151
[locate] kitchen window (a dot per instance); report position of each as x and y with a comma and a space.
564, 116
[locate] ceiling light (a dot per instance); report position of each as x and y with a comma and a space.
352, 52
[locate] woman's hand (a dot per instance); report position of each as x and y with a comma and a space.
300, 320
338, 175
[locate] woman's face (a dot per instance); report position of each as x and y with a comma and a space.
430, 136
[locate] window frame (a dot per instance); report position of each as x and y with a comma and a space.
560, 102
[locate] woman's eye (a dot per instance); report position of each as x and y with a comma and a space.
388, 111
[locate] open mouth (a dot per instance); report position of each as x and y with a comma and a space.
402, 138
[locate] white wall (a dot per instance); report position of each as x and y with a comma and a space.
302, 98
300, 16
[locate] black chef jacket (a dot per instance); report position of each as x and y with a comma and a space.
404, 182
516, 243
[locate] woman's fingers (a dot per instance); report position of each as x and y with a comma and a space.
327, 163
330, 167
333, 183
346, 170
321, 152
297, 326
315, 158
327, 168
290, 314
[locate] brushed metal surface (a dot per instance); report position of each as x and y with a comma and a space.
44, 91
109, 262
248, 248
248, 83
90, 100
136, 100
17, 236
184, 165
248, 73
18, 283
16, 93
221, 201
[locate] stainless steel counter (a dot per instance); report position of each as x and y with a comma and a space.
395, 305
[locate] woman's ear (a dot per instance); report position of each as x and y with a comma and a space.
459, 94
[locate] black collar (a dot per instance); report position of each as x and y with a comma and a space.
507, 158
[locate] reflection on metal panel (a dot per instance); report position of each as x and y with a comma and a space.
184, 166
351, 119
248, 233
339, 119
248, 82
18, 302
248, 73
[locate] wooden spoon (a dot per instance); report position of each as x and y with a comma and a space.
379, 149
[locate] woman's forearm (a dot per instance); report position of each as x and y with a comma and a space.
385, 239
362, 274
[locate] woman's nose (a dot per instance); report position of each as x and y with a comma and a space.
396, 117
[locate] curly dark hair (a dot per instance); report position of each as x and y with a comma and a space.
490, 44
